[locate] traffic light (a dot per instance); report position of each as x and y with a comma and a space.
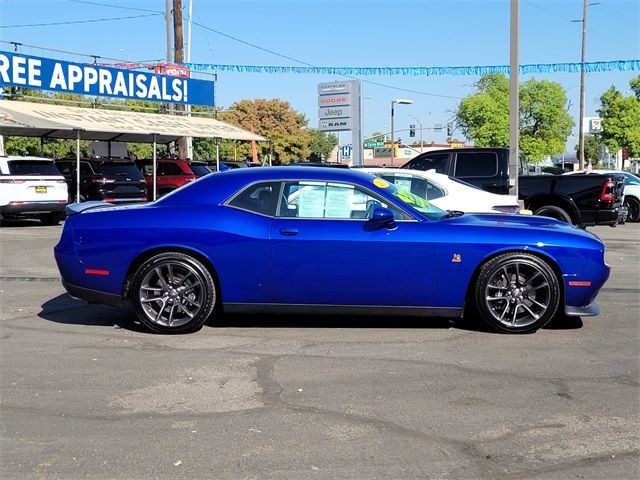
412, 130
449, 129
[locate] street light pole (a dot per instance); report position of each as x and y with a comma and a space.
419, 123
399, 101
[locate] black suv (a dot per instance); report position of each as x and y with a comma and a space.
115, 181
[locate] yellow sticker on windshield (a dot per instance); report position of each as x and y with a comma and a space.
380, 183
412, 199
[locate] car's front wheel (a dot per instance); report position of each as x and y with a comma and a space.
173, 293
517, 293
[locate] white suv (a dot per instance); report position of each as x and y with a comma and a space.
32, 187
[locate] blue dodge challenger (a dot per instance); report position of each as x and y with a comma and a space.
307, 239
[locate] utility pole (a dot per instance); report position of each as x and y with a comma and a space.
188, 59
514, 97
167, 18
582, 60
178, 45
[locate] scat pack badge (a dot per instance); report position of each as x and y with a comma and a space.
456, 258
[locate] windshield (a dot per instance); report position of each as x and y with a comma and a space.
631, 179
420, 204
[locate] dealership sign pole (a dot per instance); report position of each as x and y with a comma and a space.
339, 110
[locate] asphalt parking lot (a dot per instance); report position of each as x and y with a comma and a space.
86, 393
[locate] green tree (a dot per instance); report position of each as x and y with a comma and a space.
635, 86
543, 119
484, 116
322, 144
288, 138
621, 119
592, 149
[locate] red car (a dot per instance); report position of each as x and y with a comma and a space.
172, 174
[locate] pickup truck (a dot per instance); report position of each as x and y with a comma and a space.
584, 200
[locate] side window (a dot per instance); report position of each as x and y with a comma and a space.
260, 198
419, 186
66, 168
85, 169
479, 164
308, 199
437, 162
171, 169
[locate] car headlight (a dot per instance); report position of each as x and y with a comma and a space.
506, 208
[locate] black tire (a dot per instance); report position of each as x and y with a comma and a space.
50, 219
633, 205
554, 212
173, 293
517, 293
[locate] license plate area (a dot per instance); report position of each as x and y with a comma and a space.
41, 189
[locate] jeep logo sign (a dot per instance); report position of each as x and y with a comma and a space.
334, 112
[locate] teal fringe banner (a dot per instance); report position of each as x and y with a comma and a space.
589, 67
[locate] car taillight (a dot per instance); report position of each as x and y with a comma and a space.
608, 191
10, 180
506, 208
102, 180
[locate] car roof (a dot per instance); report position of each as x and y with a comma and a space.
218, 187
13, 158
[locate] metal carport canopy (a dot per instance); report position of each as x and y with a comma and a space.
56, 121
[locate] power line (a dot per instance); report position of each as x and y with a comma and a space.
615, 15
79, 54
116, 6
231, 37
591, 30
76, 22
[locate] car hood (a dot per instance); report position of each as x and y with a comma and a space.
520, 222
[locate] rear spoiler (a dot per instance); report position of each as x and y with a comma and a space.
76, 208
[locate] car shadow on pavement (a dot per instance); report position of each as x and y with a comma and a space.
238, 320
68, 310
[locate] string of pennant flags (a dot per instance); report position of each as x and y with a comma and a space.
589, 67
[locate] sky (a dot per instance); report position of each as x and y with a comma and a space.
345, 33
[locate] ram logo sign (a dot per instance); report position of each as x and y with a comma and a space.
335, 125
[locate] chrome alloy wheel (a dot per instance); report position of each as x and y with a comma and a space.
518, 294
172, 294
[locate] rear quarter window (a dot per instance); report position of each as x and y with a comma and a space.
200, 169
476, 164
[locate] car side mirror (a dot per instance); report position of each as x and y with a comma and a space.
383, 217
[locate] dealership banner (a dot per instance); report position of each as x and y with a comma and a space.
17, 70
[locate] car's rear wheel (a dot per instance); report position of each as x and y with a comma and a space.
517, 293
633, 207
554, 212
173, 293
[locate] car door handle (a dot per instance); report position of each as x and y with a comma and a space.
288, 232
